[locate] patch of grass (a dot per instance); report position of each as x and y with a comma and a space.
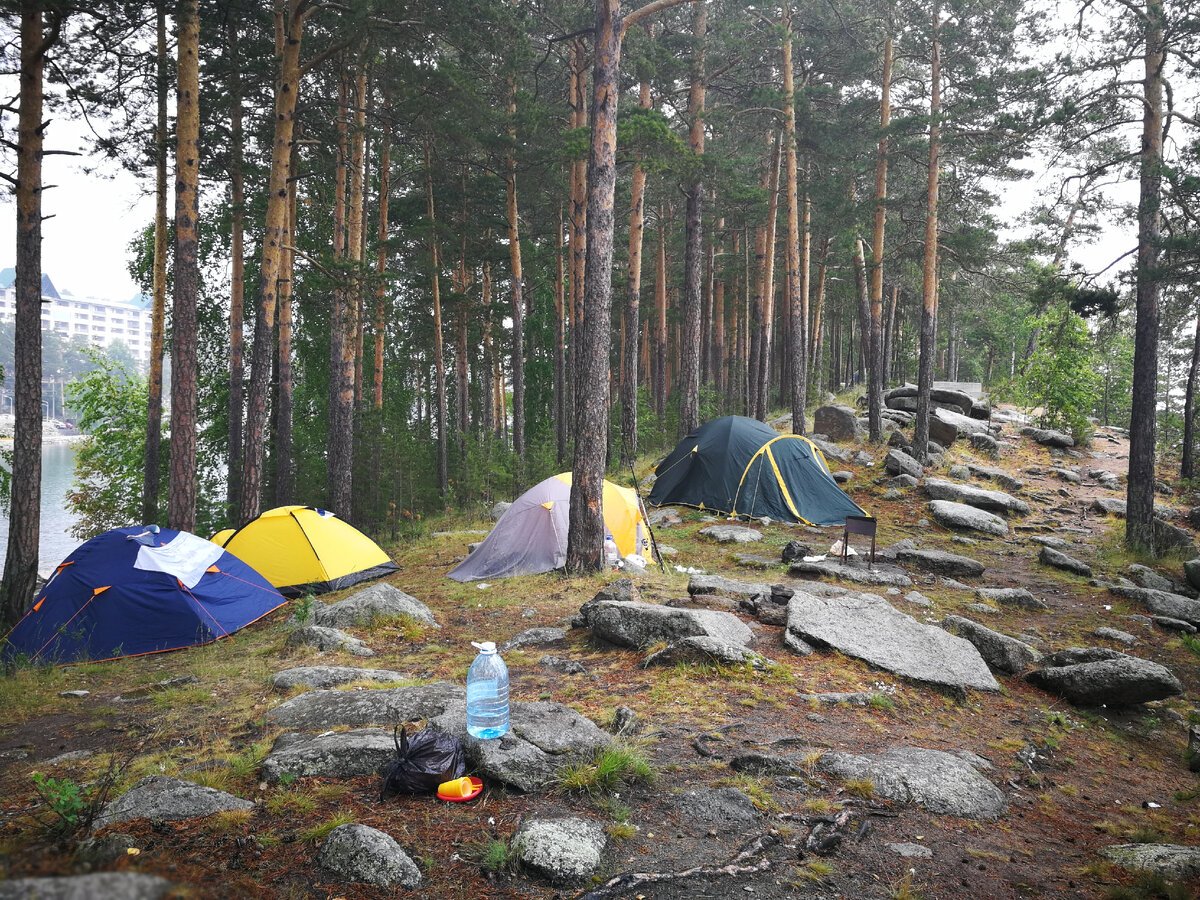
903, 889
1150, 887
611, 769
621, 831
814, 870
182, 698
1188, 794
759, 791
819, 806
863, 788
319, 832
228, 820
247, 762
491, 855
284, 802
1191, 642
29, 691
1145, 834
882, 702
810, 761
219, 779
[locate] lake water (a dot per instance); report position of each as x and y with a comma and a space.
58, 469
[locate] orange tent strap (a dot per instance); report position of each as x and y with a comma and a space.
100, 590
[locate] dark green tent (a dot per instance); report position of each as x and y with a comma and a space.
742, 467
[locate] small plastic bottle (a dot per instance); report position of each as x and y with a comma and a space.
487, 694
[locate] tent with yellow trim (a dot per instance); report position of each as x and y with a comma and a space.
531, 536
306, 550
737, 466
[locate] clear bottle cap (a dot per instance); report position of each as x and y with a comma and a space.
484, 646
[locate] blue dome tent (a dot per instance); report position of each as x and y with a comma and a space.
133, 591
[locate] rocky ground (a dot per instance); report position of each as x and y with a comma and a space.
999, 706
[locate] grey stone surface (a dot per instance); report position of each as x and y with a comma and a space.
731, 534
636, 624
159, 797
1162, 603
869, 628
945, 433
544, 737
326, 639
1123, 681
984, 443
715, 584
916, 598
1018, 597
1049, 438
993, 501
359, 853
796, 644
962, 473
1001, 652
562, 849
897, 462
941, 782
903, 481
1170, 538
1144, 576
839, 423
1002, 478
910, 851
1191, 571
1050, 557
664, 517
982, 609
849, 698
829, 449
1172, 861
842, 476
767, 764
97, 886
968, 518
318, 710
719, 806
942, 563
1173, 624
1114, 634
316, 677
500, 509
1049, 541
344, 754
534, 637
706, 651
562, 664
854, 570
371, 603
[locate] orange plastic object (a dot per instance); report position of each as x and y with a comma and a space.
460, 789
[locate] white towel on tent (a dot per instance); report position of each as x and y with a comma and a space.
186, 557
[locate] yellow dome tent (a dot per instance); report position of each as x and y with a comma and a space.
305, 550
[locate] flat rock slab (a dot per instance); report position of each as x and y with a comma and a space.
562, 849
1002, 478
1168, 860
1049, 438
325, 639
718, 806
897, 462
371, 603
1162, 603
869, 628
317, 677
707, 651
1115, 634
1002, 653
636, 624
731, 534
1057, 559
1018, 597
715, 584
318, 710
106, 885
359, 853
881, 575
963, 517
345, 754
1144, 576
910, 851
1115, 681
544, 737
942, 563
535, 637
941, 782
993, 501
159, 797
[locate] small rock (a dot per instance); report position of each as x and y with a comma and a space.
1168, 860
534, 637
903, 481
318, 677
1048, 438
377, 601
962, 516
916, 598
1120, 681
703, 650
983, 609
499, 509
77, 695
897, 462
842, 476
565, 849
795, 550
325, 639
720, 806
960, 472
1018, 597
107, 885
358, 853
1059, 560
69, 756
942, 563
560, 664
1173, 624
625, 721
1113, 634
731, 534
764, 764
159, 797
911, 851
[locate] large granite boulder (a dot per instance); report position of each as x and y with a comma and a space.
379, 601
838, 423
994, 501
637, 625
1114, 679
1191, 571
317, 677
728, 587
940, 398
1171, 861
706, 651
1002, 478
965, 424
1057, 559
359, 853
160, 797
1018, 597
852, 570
535, 637
343, 754
984, 443
941, 782
962, 517
106, 885
560, 849
945, 433
318, 710
941, 562
869, 628
1002, 653
897, 462
1162, 603
1049, 438
1170, 538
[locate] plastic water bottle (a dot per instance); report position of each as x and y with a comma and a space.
487, 694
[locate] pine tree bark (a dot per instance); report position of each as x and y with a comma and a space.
21, 559
289, 24
877, 358
283, 454
439, 362
660, 317
152, 476
517, 285
181, 501
578, 217
637, 229
929, 286
693, 249
797, 301
561, 313
385, 186
340, 440
765, 355
1187, 466
1139, 522
237, 183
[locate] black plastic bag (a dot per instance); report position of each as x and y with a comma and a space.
423, 762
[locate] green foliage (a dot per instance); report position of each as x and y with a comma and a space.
1149, 886
111, 402
1060, 377
318, 833
491, 855
67, 799
610, 770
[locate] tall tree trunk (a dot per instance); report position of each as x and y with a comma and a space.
693, 249
1187, 467
889, 334
561, 314
381, 291
797, 302
815, 341
340, 438
929, 285
237, 270
768, 281
637, 229
877, 358
181, 501
518, 287
289, 25
21, 561
578, 234
488, 425
660, 317
158, 311
284, 463
1139, 522
439, 362
718, 350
